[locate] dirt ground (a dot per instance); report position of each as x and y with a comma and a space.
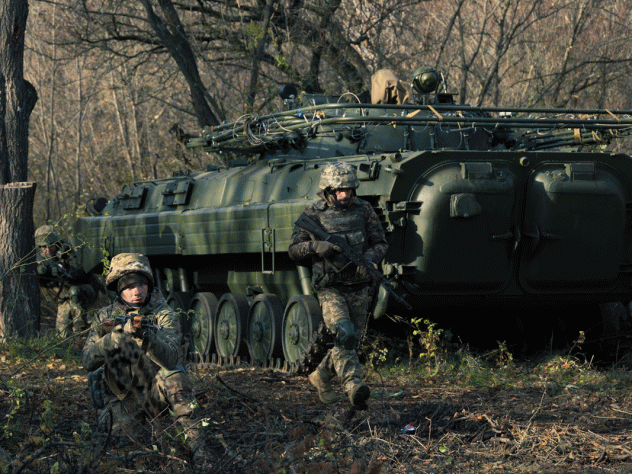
554, 416
450, 429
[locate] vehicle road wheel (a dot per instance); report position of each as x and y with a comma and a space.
230, 324
203, 310
302, 317
264, 327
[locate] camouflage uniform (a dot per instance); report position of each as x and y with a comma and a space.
142, 373
341, 289
63, 281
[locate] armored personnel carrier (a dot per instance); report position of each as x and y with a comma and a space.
482, 207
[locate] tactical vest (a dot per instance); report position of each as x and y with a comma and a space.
350, 225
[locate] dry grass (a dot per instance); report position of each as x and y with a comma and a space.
469, 414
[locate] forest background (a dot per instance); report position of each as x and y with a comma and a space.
122, 84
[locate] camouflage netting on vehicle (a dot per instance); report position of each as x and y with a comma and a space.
339, 175
45, 236
125, 263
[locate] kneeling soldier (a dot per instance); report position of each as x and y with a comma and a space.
64, 282
134, 346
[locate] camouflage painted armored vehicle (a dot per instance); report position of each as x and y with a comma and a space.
493, 207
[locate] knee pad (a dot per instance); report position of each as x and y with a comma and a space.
345, 335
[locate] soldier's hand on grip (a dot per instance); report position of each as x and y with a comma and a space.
112, 340
325, 249
42, 269
363, 272
131, 329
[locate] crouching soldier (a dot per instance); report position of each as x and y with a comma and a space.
134, 347
63, 281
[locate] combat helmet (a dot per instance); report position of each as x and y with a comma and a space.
338, 175
125, 263
425, 80
45, 236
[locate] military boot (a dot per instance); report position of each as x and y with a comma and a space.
325, 390
359, 394
195, 440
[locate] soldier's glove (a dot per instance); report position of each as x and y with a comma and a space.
363, 272
131, 330
112, 340
140, 336
42, 269
55, 271
75, 295
325, 249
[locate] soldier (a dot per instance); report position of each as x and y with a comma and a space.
138, 362
64, 282
342, 289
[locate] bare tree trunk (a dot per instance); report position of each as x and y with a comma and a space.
135, 134
123, 129
79, 137
50, 179
19, 294
172, 35
257, 53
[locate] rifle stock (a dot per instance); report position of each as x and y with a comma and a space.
314, 228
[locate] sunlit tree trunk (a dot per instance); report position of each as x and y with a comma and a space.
80, 151
121, 120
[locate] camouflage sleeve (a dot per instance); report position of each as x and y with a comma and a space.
300, 246
376, 241
93, 355
164, 345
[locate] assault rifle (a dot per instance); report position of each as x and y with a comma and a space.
141, 323
56, 269
314, 228
62, 272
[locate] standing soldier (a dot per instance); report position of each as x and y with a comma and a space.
138, 354
64, 282
341, 287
